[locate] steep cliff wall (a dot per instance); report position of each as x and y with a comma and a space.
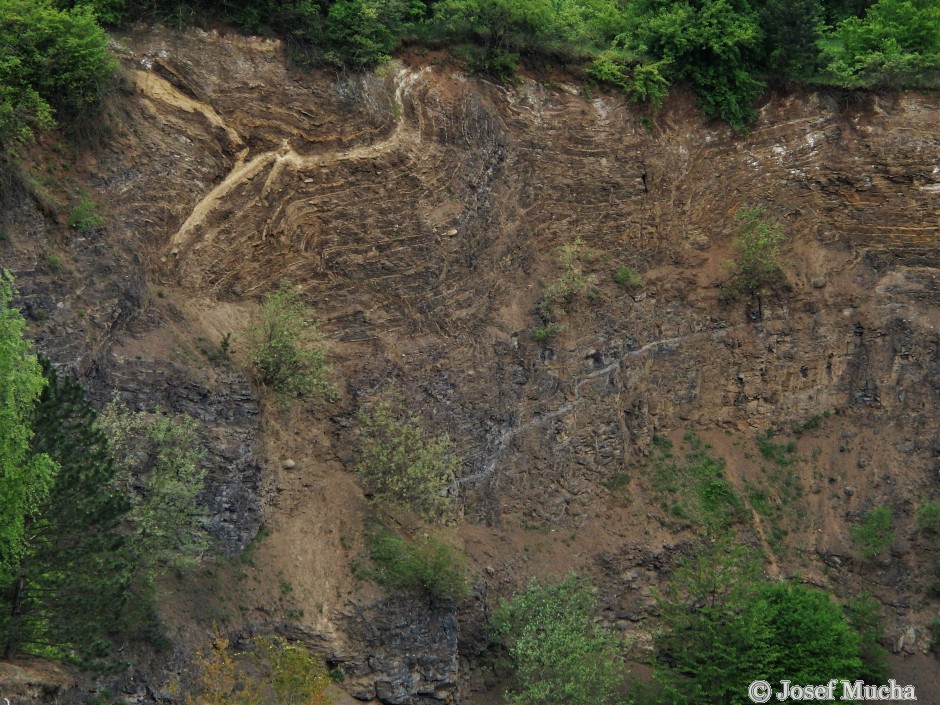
421, 213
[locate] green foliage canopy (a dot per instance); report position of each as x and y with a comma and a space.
724, 48
54, 65
158, 461
363, 32
793, 30
712, 43
897, 43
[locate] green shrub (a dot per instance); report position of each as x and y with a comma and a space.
53, 262
608, 67
928, 517
573, 279
363, 32
628, 278
501, 65
560, 656
85, 217
649, 83
284, 346
425, 566
758, 251
782, 454
160, 470
542, 334
874, 532
277, 672
864, 615
643, 82
398, 463
935, 635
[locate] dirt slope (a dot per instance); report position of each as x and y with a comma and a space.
421, 212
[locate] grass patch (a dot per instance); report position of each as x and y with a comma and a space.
781, 454
874, 533
928, 517
695, 491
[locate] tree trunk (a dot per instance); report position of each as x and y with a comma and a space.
12, 644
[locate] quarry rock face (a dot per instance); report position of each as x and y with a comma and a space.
420, 212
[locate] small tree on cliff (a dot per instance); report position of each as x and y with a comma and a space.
561, 657
757, 259
284, 346
398, 463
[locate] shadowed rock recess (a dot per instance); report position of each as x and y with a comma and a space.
421, 213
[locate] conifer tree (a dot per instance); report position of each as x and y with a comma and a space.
73, 574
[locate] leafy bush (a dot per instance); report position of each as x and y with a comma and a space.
159, 469
874, 532
643, 82
399, 464
542, 334
696, 491
712, 44
284, 346
935, 635
758, 251
649, 83
560, 656
782, 454
610, 67
426, 566
278, 672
